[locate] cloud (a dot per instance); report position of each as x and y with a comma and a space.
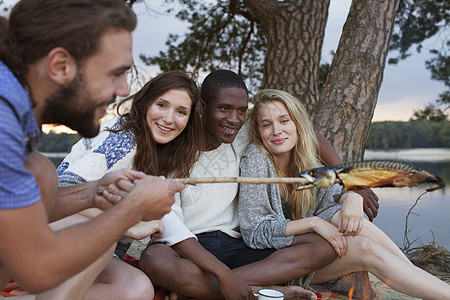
400, 110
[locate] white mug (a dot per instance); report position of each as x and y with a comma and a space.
270, 294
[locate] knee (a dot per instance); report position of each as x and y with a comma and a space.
365, 250
166, 268
362, 244
324, 253
139, 288
152, 260
321, 248
315, 252
126, 282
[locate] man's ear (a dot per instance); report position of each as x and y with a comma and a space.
202, 108
61, 66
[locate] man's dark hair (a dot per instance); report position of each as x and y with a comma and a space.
218, 80
37, 26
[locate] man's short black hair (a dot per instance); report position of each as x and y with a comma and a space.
218, 80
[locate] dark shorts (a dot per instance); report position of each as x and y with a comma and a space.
231, 251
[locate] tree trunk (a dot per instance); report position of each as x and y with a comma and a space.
294, 31
346, 105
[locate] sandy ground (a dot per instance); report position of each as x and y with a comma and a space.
383, 291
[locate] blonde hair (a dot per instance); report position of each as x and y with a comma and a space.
304, 154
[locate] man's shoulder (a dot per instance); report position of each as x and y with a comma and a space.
11, 91
242, 140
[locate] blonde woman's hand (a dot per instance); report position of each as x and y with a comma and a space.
351, 215
144, 229
329, 232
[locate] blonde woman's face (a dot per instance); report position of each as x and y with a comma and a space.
168, 116
276, 128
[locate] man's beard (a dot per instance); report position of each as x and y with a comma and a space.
72, 106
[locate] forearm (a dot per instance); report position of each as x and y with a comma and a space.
328, 155
300, 226
72, 248
191, 249
73, 199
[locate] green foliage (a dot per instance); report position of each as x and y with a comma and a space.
413, 134
4, 7
444, 133
62, 142
222, 34
430, 113
416, 21
439, 66
324, 69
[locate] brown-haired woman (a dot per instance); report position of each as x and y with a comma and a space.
160, 134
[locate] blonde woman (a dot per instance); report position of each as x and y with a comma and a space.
284, 144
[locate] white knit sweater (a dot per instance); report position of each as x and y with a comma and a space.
208, 207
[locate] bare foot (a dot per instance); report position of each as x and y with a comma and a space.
171, 296
175, 296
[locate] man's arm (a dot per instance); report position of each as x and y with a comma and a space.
327, 154
63, 201
330, 157
231, 286
39, 258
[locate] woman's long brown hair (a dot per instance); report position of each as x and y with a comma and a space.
173, 159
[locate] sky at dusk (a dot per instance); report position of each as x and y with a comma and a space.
406, 86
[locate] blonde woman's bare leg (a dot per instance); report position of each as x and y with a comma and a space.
372, 232
365, 255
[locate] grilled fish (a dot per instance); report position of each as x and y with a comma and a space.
370, 174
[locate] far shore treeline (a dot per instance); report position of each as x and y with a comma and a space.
383, 135
62, 142
406, 135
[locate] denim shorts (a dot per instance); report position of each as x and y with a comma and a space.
233, 252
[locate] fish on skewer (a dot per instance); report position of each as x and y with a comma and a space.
370, 174
353, 176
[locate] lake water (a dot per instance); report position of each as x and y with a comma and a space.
431, 215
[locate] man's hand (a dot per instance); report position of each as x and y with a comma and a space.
370, 203
234, 287
114, 186
152, 197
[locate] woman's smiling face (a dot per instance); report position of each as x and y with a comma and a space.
168, 115
276, 128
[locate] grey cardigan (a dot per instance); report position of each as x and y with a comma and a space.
261, 218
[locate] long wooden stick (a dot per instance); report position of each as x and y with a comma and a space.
253, 180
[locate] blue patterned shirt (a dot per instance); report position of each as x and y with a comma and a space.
19, 135
90, 159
